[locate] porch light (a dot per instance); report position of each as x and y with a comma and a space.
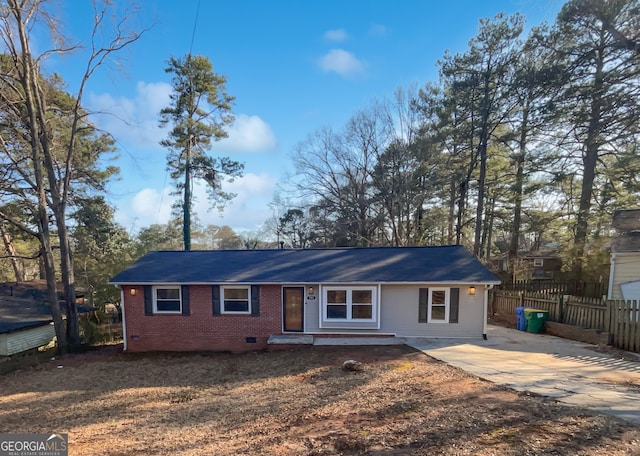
132, 291
472, 290
310, 291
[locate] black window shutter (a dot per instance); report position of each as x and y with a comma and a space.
255, 300
148, 300
186, 310
454, 304
423, 305
215, 299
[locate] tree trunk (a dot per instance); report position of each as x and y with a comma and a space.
186, 222
518, 189
452, 211
28, 80
483, 141
589, 160
489, 234
11, 251
482, 152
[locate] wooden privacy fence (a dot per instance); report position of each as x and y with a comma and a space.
620, 318
624, 324
557, 287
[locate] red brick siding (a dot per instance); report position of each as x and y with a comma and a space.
201, 331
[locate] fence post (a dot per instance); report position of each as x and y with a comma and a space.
521, 299
561, 309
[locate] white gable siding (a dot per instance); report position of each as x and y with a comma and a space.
626, 269
19, 341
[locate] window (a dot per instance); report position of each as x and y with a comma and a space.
349, 303
538, 262
438, 309
438, 305
235, 300
167, 300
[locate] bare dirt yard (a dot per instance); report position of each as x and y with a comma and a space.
293, 403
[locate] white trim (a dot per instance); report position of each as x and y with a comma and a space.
612, 271
538, 262
324, 319
124, 320
320, 304
626, 253
154, 296
379, 297
447, 304
441, 283
235, 287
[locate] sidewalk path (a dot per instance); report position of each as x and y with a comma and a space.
570, 372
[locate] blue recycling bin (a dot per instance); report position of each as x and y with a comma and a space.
521, 321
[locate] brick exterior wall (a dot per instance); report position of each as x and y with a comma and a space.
201, 331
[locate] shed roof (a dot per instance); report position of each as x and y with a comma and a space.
24, 305
442, 264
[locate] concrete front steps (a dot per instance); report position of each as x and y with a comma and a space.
309, 339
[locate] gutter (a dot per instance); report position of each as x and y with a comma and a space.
124, 320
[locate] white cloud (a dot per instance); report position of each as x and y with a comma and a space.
147, 207
133, 121
248, 134
335, 35
378, 30
342, 62
247, 211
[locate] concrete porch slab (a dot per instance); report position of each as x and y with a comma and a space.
359, 341
290, 339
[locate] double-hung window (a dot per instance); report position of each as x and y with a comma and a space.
438, 305
167, 299
235, 300
349, 303
438, 310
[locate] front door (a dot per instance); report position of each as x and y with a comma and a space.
293, 308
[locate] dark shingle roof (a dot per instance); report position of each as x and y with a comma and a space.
338, 265
24, 305
21, 313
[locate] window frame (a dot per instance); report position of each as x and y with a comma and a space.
349, 289
538, 262
155, 299
223, 310
446, 305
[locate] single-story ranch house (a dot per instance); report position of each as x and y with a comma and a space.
235, 300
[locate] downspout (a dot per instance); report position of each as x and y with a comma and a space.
124, 320
612, 270
485, 311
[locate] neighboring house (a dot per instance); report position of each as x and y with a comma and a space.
25, 317
541, 264
235, 300
624, 272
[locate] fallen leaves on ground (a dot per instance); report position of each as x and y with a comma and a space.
297, 402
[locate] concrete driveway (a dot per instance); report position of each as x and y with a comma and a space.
570, 372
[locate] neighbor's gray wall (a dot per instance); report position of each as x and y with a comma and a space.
626, 269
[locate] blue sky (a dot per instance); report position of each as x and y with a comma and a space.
293, 66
